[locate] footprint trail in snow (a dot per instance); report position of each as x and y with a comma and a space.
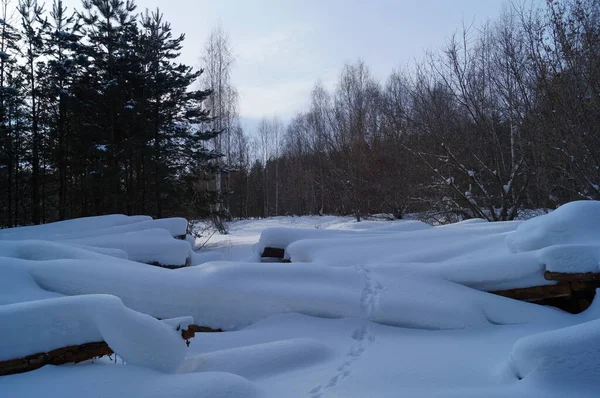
362, 336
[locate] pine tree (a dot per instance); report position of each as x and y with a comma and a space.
177, 119
110, 26
33, 27
9, 102
62, 46
97, 117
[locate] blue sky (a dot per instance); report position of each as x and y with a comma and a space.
284, 46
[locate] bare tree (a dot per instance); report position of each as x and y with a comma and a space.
217, 60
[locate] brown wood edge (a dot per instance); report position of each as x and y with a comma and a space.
572, 277
59, 356
536, 292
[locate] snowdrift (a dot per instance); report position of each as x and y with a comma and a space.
566, 240
137, 238
361, 306
232, 295
42, 326
106, 380
473, 254
568, 356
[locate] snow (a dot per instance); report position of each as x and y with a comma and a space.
103, 381
75, 227
283, 237
233, 295
137, 238
566, 240
53, 323
150, 245
17, 285
371, 308
569, 355
453, 252
575, 222
261, 360
572, 258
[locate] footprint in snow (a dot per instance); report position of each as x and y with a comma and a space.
359, 335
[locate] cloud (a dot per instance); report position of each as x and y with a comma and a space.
283, 99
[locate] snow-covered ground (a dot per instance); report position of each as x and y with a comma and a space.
369, 309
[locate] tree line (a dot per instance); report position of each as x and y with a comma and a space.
97, 116
504, 118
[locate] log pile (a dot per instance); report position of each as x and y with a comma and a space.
77, 353
572, 292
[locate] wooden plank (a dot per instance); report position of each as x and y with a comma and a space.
575, 277
537, 292
273, 252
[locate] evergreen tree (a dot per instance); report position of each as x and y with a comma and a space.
176, 119
62, 47
10, 102
97, 116
33, 27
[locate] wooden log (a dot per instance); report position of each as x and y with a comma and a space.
537, 292
193, 329
273, 252
60, 356
188, 262
77, 353
585, 286
575, 277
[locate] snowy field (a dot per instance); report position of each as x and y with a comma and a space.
369, 309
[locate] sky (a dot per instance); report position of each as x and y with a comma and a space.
283, 47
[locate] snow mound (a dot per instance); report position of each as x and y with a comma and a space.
576, 258
146, 246
137, 238
473, 254
87, 227
76, 227
282, 237
17, 285
572, 223
102, 381
434, 244
117, 253
234, 295
198, 258
41, 250
53, 323
365, 309
564, 356
260, 360
379, 226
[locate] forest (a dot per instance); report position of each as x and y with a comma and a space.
97, 116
